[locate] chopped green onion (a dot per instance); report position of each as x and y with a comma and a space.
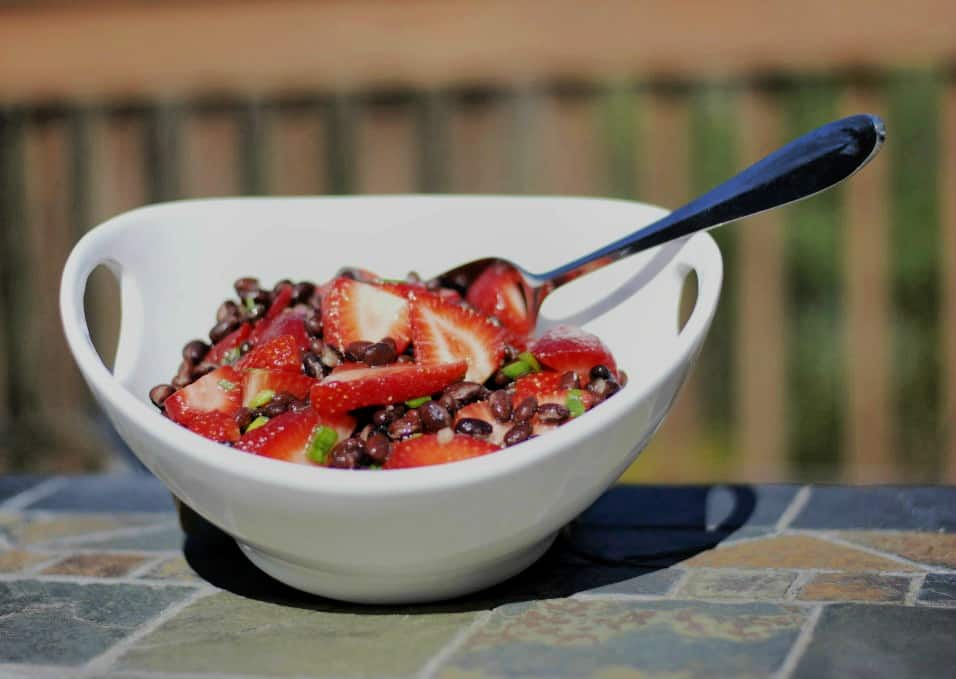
393, 280
416, 402
374, 466
262, 398
517, 369
322, 441
231, 356
226, 385
256, 423
529, 358
574, 403
249, 303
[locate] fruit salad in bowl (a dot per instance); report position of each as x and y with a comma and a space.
343, 372
368, 373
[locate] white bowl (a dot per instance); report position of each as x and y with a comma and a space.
405, 535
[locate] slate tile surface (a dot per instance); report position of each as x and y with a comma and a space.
62, 623
11, 486
95, 565
939, 588
591, 638
934, 549
176, 568
155, 539
855, 587
126, 493
44, 529
856, 640
880, 507
232, 634
15, 560
751, 585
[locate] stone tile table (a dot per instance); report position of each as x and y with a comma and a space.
97, 579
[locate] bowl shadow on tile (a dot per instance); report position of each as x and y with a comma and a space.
622, 552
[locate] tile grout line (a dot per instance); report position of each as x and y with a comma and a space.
916, 584
95, 580
121, 532
678, 584
799, 582
796, 506
436, 661
101, 663
145, 567
33, 494
832, 538
800, 645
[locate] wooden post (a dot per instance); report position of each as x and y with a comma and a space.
947, 186
478, 138
297, 150
210, 161
386, 159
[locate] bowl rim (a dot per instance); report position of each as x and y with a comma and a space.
89, 252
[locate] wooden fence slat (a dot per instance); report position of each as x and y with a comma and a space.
869, 430
210, 163
296, 157
386, 148
947, 182
478, 154
760, 360
569, 159
11, 264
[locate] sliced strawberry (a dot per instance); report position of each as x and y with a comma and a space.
566, 347
281, 353
350, 389
482, 410
218, 392
443, 332
257, 381
286, 437
289, 322
231, 341
428, 450
354, 311
546, 387
498, 292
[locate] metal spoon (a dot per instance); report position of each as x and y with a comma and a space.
807, 165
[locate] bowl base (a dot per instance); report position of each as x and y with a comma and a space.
395, 588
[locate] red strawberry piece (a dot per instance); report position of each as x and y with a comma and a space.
498, 292
218, 392
443, 332
286, 437
354, 311
428, 450
566, 347
481, 410
258, 380
289, 322
281, 353
349, 389
231, 341
546, 387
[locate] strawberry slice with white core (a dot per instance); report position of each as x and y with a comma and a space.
481, 410
497, 292
287, 436
281, 353
207, 405
566, 347
354, 311
432, 449
257, 381
288, 322
546, 387
346, 390
443, 332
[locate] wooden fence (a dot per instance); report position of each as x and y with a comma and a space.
832, 354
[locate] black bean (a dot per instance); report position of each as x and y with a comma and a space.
526, 409
275, 408
195, 351
385, 416
228, 310
404, 358
223, 328
302, 292
434, 417
553, 413
500, 380
511, 353
160, 393
263, 297
299, 406
346, 454
380, 353
243, 418
448, 403
355, 351
518, 433
257, 311
466, 392
203, 369
329, 356
414, 415
501, 405
312, 366
377, 448
284, 397
313, 324
390, 342
569, 380
413, 277
600, 372
184, 377
604, 389
473, 426
246, 286
404, 427
622, 378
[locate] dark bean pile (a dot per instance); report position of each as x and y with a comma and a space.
377, 428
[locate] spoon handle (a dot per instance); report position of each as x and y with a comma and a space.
807, 165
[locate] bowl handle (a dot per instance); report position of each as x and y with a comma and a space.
100, 247
700, 254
